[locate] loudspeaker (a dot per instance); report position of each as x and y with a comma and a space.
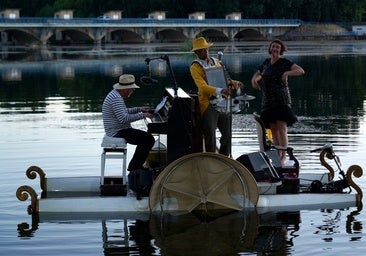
184, 134
263, 165
179, 135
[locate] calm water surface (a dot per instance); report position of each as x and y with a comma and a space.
50, 117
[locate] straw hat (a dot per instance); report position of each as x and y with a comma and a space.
126, 81
200, 43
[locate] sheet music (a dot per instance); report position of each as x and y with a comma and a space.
160, 105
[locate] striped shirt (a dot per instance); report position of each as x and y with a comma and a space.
116, 116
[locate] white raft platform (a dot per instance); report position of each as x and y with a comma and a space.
82, 194
199, 181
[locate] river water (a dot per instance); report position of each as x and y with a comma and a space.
50, 101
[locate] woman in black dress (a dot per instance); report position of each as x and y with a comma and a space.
276, 101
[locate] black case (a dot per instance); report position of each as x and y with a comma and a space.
263, 165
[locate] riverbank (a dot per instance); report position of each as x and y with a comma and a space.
322, 32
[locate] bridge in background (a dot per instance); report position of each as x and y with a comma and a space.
138, 30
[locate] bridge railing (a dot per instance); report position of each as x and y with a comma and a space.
148, 21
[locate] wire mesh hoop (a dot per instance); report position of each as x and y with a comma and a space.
203, 181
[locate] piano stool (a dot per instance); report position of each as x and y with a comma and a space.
113, 148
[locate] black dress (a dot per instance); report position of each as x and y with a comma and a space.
276, 100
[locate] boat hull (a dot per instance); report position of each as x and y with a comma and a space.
82, 194
131, 204
226, 188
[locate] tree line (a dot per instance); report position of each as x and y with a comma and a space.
305, 10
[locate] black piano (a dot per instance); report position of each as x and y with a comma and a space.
179, 120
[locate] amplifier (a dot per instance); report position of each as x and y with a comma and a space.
263, 165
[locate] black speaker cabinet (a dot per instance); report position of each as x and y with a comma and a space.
181, 135
263, 165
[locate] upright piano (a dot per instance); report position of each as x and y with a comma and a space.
179, 119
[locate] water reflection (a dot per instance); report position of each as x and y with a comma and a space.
332, 91
49, 53
11, 74
266, 232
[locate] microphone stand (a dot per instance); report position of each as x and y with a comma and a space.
175, 85
172, 76
229, 103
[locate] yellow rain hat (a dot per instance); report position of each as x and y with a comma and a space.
200, 43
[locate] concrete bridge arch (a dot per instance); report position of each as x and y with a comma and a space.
213, 34
123, 35
71, 35
171, 35
86, 30
19, 36
249, 34
231, 34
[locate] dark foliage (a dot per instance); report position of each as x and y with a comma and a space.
306, 10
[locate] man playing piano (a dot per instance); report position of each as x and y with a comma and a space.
211, 116
117, 119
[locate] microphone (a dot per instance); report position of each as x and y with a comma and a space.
238, 91
148, 80
219, 55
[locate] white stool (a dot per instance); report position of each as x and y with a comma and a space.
113, 148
